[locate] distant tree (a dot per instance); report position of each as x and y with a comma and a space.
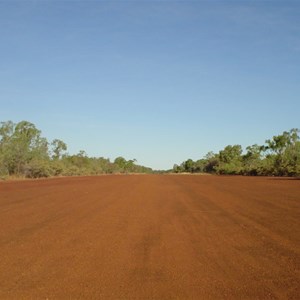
279, 143
6, 132
130, 165
189, 166
177, 169
230, 160
120, 162
199, 165
252, 160
58, 148
230, 153
211, 162
21, 143
283, 153
280, 156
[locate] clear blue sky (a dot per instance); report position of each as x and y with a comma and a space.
159, 81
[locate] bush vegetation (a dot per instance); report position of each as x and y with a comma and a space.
25, 153
279, 156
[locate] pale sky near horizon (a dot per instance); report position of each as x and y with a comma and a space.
158, 81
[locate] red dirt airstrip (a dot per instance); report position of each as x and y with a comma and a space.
150, 237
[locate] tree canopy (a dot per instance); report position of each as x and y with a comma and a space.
280, 156
24, 152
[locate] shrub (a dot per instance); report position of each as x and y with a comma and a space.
37, 169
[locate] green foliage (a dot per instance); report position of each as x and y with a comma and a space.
230, 160
59, 147
252, 160
177, 169
37, 168
211, 162
19, 145
24, 153
189, 166
280, 156
121, 163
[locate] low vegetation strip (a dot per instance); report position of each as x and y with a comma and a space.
25, 153
279, 156
150, 237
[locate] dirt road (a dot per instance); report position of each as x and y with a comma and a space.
150, 237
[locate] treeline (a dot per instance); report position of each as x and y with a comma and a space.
25, 153
279, 156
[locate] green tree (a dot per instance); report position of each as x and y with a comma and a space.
212, 162
58, 148
189, 166
6, 132
20, 144
121, 163
131, 166
230, 160
282, 151
252, 160
177, 169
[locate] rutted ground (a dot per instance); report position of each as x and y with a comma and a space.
150, 237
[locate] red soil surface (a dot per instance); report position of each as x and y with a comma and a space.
150, 237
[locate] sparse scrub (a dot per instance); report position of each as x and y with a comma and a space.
280, 156
25, 153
